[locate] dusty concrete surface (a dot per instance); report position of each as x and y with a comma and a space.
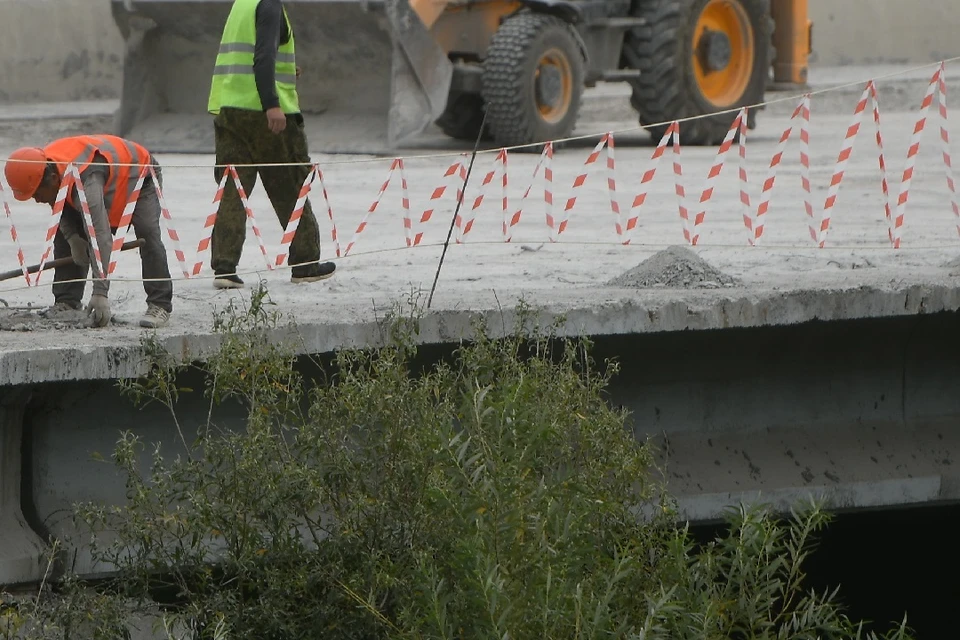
59, 50
874, 31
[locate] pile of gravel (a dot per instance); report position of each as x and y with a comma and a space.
674, 268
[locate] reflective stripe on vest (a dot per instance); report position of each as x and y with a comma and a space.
121, 180
234, 83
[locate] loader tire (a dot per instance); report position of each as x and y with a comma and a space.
689, 69
463, 117
532, 80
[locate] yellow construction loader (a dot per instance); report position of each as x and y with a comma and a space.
378, 73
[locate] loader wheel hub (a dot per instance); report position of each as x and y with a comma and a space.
549, 86
553, 84
715, 51
723, 52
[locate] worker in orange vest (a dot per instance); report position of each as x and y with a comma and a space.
105, 164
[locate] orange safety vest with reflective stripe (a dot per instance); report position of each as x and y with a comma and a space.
121, 181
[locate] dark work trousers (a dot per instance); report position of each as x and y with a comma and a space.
153, 255
242, 137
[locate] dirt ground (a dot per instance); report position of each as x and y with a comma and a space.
588, 255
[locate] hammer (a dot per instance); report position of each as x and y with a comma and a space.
61, 262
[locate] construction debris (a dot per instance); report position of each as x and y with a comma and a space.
674, 268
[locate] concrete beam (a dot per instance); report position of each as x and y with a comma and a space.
22, 551
117, 354
883, 31
860, 412
54, 50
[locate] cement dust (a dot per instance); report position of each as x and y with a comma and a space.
674, 268
22, 320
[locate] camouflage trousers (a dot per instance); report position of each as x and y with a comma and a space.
242, 137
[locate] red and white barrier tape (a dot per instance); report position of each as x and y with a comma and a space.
945, 143
88, 218
456, 174
294, 222
543, 162
454, 177
205, 239
334, 236
125, 219
168, 222
249, 211
648, 175
465, 223
394, 166
678, 187
716, 169
578, 183
21, 258
612, 187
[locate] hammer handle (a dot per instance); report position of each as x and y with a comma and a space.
61, 262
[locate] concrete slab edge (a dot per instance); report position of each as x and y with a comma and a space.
843, 497
641, 312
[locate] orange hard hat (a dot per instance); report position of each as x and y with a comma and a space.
24, 171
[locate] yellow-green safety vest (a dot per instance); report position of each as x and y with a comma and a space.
233, 83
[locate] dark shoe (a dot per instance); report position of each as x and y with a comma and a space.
312, 272
224, 280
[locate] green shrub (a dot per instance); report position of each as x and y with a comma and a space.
496, 494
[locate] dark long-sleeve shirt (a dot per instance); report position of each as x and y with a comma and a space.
272, 32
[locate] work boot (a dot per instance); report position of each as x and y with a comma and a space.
60, 310
312, 272
155, 317
227, 280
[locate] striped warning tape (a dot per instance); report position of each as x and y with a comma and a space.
945, 143
91, 230
204, 245
578, 183
455, 175
710, 184
168, 223
396, 165
125, 219
464, 223
648, 175
625, 222
21, 258
546, 156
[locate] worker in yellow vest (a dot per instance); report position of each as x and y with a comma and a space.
257, 121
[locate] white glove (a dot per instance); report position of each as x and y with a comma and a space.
79, 251
98, 310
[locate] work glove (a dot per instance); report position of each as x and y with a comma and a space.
79, 251
98, 311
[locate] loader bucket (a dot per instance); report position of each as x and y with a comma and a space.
373, 77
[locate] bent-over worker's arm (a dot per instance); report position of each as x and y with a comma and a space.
93, 184
271, 27
70, 222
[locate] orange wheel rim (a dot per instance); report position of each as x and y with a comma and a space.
723, 52
553, 79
